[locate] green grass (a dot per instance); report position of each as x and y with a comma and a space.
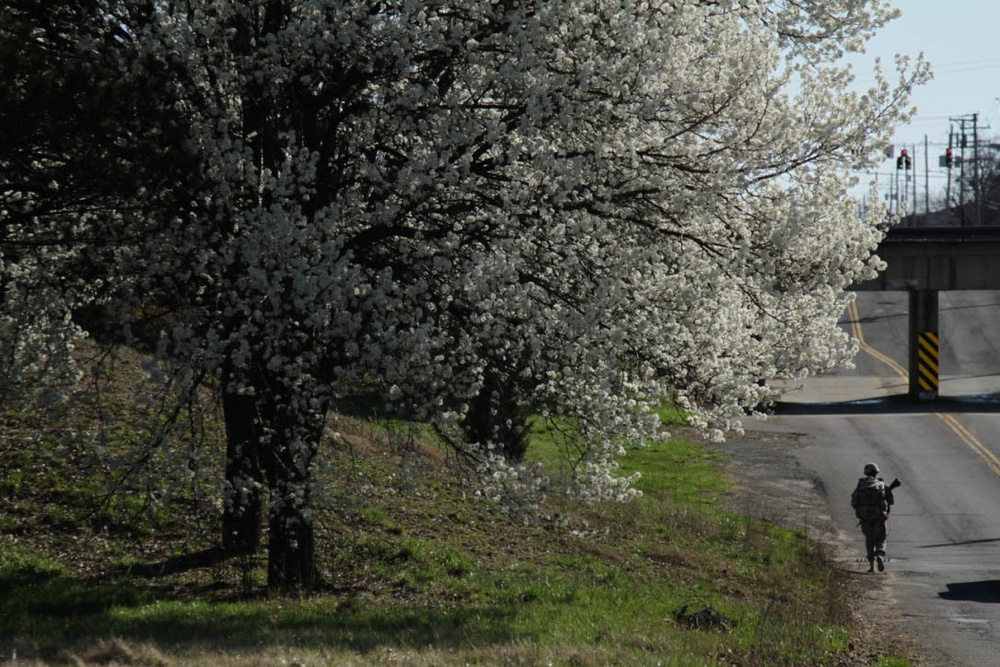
421, 573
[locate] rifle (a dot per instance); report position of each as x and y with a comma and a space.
895, 484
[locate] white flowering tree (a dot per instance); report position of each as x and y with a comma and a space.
494, 209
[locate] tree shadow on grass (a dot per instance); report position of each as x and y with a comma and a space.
40, 616
177, 564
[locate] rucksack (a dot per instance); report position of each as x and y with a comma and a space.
868, 499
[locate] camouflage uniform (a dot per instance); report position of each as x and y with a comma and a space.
871, 501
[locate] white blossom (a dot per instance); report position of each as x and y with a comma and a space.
599, 205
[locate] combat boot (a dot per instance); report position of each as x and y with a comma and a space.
871, 564
880, 559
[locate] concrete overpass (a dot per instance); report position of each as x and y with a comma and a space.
924, 261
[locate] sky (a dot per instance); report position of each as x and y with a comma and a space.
959, 38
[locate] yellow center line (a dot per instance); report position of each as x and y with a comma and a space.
951, 422
852, 309
974, 444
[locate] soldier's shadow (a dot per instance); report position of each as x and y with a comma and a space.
973, 591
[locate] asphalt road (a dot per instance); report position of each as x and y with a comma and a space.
943, 573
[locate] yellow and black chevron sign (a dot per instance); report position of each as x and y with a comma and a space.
927, 361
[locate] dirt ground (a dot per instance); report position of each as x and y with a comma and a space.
772, 486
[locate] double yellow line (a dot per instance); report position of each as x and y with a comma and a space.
964, 434
852, 310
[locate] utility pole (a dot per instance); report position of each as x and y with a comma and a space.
903, 163
893, 182
948, 154
894, 192
961, 170
977, 183
927, 180
977, 186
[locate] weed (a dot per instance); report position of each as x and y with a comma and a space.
892, 662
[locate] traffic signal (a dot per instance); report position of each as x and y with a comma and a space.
949, 158
903, 161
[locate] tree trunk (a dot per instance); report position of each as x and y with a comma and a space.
497, 415
291, 542
291, 547
243, 511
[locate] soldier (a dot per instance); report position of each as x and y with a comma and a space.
872, 499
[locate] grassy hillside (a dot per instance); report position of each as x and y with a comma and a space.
98, 568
